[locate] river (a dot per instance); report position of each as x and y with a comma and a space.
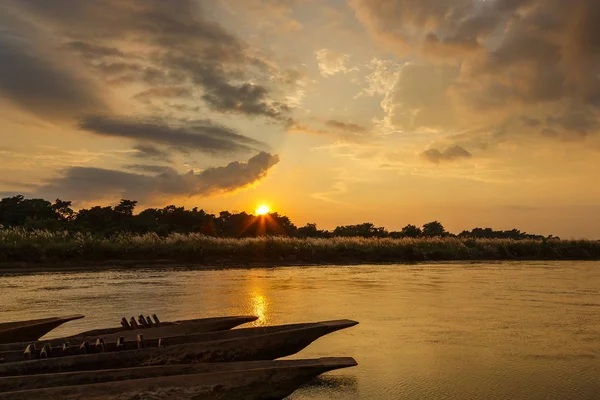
523, 330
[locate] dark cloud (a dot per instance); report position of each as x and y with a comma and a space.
82, 183
201, 135
452, 153
168, 92
449, 27
175, 45
221, 95
40, 85
120, 73
175, 24
579, 120
89, 50
538, 58
152, 152
153, 169
344, 126
339, 130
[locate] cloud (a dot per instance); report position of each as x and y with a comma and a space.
491, 67
344, 126
221, 95
168, 92
38, 84
448, 26
335, 129
202, 135
452, 153
83, 183
331, 62
272, 17
158, 45
148, 151
89, 50
152, 169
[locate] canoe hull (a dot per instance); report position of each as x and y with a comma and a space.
31, 330
246, 348
272, 381
46, 381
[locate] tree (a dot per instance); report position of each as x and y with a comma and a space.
311, 230
17, 211
366, 229
126, 207
411, 231
434, 228
63, 210
96, 219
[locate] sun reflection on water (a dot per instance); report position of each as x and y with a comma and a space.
259, 308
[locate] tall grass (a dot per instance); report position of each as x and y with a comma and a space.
40, 246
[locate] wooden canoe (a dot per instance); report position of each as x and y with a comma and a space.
238, 345
267, 380
214, 323
76, 350
188, 327
32, 329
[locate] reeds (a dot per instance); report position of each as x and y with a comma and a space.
40, 246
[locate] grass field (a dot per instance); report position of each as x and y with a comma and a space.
44, 247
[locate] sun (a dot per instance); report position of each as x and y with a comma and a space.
262, 210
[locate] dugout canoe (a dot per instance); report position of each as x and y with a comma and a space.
46, 381
250, 344
214, 324
101, 346
31, 329
268, 380
186, 327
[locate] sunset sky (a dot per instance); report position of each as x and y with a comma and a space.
472, 112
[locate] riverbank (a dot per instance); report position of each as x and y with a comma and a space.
43, 249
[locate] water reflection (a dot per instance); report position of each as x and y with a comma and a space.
481, 331
259, 308
329, 386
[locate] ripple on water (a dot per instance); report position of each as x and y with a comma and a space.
494, 331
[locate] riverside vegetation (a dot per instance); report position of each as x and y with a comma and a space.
38, 231
20, 245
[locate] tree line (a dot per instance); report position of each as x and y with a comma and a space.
17, 211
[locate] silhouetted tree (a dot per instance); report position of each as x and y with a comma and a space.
125, 207
310, 230
63, 210
42, 214
489, 233
434, 228
366, 229
411, 231
34, 213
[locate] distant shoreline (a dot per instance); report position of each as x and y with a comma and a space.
33, 268
106, 265
39, 252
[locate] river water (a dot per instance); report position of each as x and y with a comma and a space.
427, 331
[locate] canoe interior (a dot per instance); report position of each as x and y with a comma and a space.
213, 320
183, 327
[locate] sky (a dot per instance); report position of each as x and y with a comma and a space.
476, 113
